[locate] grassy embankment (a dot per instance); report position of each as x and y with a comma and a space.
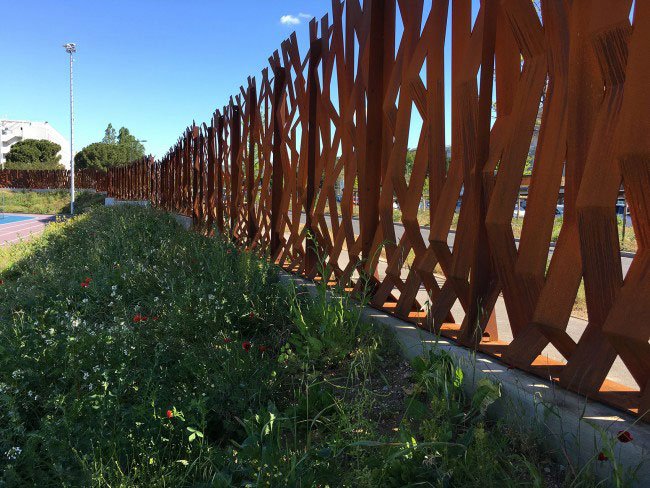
47, 202
134, 353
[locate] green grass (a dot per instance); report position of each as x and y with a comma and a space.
125, 361
49, 202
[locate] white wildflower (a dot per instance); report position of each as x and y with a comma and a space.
13, 453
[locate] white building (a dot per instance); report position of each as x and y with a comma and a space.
13, 131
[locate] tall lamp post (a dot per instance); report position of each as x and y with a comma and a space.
2, 133
71, 48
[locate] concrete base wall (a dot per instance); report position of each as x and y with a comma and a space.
112, 202
569, 424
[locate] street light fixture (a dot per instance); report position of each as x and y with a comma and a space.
71, 48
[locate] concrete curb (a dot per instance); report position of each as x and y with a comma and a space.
569, 424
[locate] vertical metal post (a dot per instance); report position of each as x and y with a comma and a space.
276, 183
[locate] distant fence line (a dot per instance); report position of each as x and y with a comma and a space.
53, 179
264, 169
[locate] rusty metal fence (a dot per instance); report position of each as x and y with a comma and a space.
53, 179
572, 77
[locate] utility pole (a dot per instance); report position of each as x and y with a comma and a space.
71, 48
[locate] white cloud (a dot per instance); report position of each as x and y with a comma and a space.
295, 19
289, 20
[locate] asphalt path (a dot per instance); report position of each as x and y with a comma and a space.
14, 231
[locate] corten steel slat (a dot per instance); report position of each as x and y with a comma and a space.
250, 170
395, 187
187, 175
482, 279
235, 140
311, 257
196, 170
220, 181
370, 168
560, 285
277, 181
455, 263
262, 181
226, 166
627, 326
431, 47
200, 198
520, 293
594, 355
212, 162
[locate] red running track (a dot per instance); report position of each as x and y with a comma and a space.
17, 231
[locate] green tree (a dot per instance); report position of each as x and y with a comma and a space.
109, 135
115, 149
100, 155
134, 149
34, 154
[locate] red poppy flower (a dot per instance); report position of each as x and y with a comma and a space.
154, 318
251, 315
88, 280
137, 318
170, 414
84, 284
602, 457
227, 340
246, 345
624, 436
263, 348
144, 318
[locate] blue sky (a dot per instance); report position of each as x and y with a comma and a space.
149, 65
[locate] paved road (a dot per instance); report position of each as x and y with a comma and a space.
626, 258
14, 231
